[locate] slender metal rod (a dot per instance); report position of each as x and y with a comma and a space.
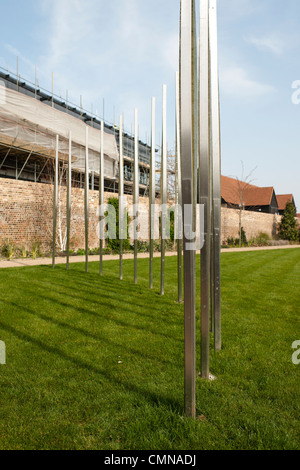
178, 195
4, 159
204, 185
195, 97
121, 197
152, 196
40, 173
55, 202
23, 167
187, 168
136, 192
69, 202
164, 189
216, 168
86, 201
101, 197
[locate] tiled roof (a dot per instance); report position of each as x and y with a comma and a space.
283, 199
237, 192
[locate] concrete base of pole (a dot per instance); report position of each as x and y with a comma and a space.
210, 378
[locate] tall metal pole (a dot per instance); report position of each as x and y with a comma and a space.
55, 202
187, 117
178, 195
101, 196
69, 195
86, 201
121, 196
152, 196
195, 98
216, 169
163, 190
136, 190
204, 184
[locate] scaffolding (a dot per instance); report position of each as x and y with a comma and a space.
30, 119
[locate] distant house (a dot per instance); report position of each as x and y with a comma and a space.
282, 200
238, 194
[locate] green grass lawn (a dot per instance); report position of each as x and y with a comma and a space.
95, 363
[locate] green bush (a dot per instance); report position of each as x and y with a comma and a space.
23, 252
262, 239
288, 225
244, 237
7, 249
114, 244
36, 249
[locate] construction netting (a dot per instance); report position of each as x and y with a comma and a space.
31, 125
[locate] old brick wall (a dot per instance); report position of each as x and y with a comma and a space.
252, 222
26, 216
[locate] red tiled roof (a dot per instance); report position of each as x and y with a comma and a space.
237, 192
283, 199
258, 196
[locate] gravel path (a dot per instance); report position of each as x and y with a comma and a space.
17, 263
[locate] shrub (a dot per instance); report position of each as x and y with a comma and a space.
7, 249
243, 237
288, 225
230, 241
114, 244
23, 252
262, 239
36, 249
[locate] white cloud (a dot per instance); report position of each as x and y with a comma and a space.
235, 81
21, 58
110, 50
272, 43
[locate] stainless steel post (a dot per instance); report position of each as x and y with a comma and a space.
187, 117
178, 195
216, 168
163, 190
55, 202
86, 201
121, 196
152, 196
204, 185
101, 196
69, 195
136, 191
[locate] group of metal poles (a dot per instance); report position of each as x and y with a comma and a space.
197, 168
198, 143
86, 199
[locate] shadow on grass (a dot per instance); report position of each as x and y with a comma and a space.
85, 332
154, 399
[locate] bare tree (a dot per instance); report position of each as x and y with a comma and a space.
61, 234
171, 176
243, 183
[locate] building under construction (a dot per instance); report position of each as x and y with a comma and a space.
30, 120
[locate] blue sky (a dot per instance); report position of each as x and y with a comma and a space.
122, 51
